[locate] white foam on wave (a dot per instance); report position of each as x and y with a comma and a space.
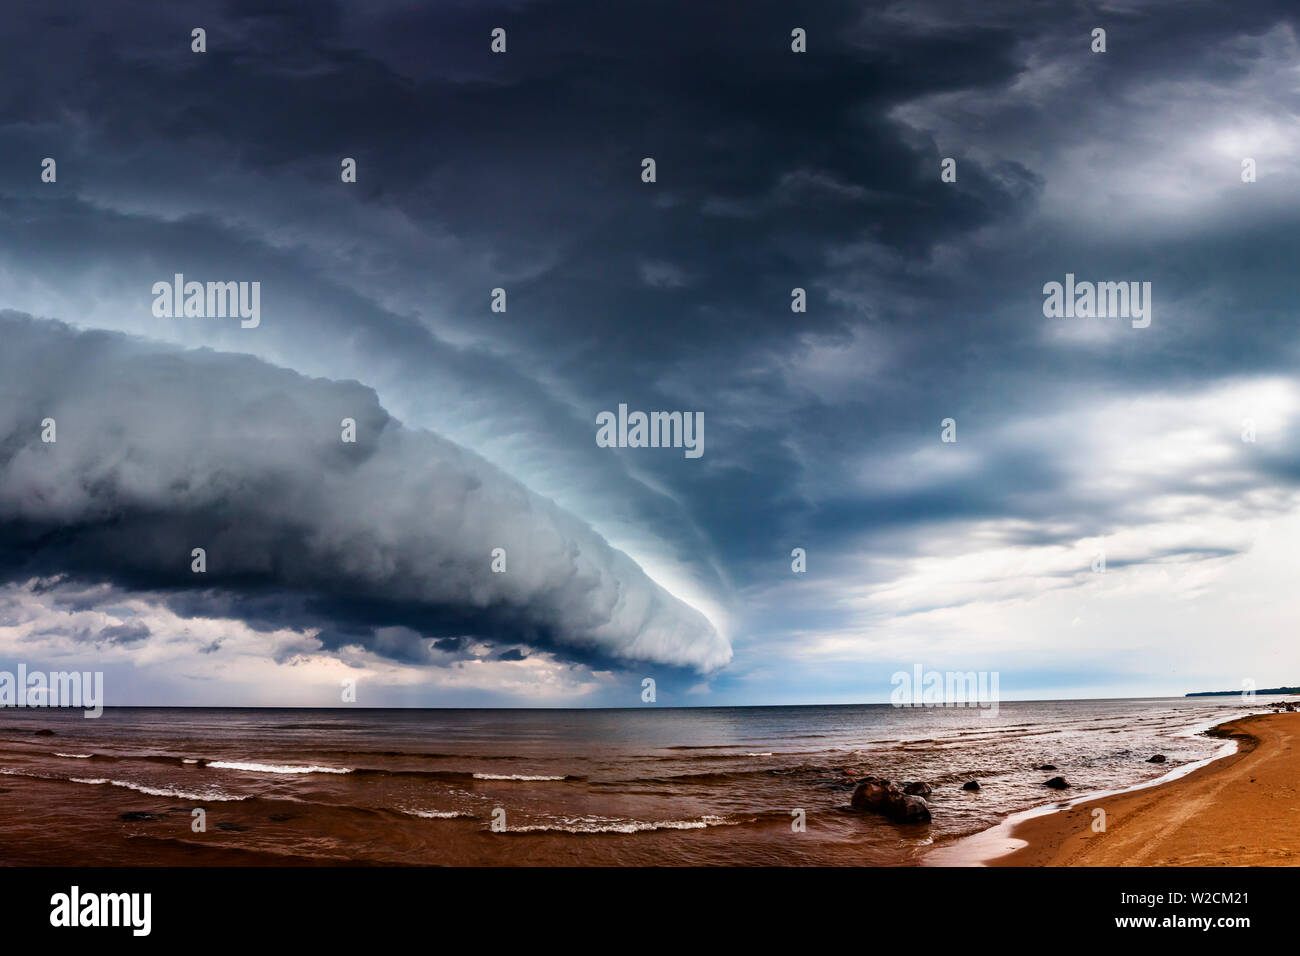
216, 796
768, 754
434, 814
514, 776
274, 767
74, 756
615, 825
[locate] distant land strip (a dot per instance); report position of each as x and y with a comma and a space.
1233, 693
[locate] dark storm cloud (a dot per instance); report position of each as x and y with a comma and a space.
767, 160
775, 170
125, 633
159, 452
119, 634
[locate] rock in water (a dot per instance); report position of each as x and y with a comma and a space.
882, 796
870, 793
1046, 766
1056, 783
918, 788
912, 810
1158, 758
970, 785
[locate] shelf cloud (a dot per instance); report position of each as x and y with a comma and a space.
158, 451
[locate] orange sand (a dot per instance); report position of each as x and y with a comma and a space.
1233, 812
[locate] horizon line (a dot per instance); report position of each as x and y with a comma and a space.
981, 705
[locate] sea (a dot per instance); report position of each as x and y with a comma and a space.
742, 786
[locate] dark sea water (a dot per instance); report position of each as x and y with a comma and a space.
639, 787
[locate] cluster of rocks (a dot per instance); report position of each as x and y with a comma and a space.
1284, 706
904, 803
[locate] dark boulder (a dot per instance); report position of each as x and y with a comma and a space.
871, 793
918, 788
970, 785
912, 810
1056, 783
1046, 766
1158, 758
879, 795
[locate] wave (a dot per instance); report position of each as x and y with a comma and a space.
520, 776
273, 767
615, 825
212, 796
215, 796
138, 757
434, 814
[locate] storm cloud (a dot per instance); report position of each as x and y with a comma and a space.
776, 170
159, 451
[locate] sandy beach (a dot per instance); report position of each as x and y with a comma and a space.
1233, 812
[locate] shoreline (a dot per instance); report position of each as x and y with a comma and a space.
1233, 808
424, 790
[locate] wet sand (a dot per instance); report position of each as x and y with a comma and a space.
1243, 810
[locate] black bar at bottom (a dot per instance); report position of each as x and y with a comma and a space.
618, 907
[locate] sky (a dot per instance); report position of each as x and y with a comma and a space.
1169, 449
